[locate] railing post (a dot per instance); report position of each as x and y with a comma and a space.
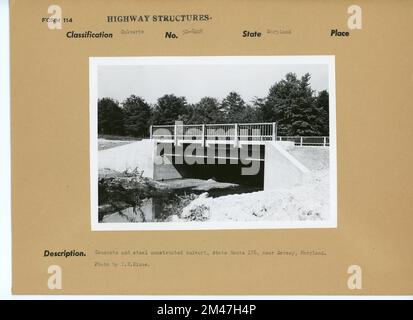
175, 134
150, 132
301, 141
274, 131
203, 134
324, 141
236, 135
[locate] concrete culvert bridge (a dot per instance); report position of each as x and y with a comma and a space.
251, 154
225, 172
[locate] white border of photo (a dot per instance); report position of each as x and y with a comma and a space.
95, 62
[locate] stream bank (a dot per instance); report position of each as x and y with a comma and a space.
129, 197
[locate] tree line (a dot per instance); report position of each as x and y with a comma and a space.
291, 102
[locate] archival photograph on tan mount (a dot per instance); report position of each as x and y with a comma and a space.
182, 143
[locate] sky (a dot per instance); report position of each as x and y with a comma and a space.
197, 81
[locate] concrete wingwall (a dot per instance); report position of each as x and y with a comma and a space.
133, 155
281, 169
141, 155
165, 170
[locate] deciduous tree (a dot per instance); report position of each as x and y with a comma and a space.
137, 116
110, 117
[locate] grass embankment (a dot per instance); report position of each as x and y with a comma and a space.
118, 138
110, 141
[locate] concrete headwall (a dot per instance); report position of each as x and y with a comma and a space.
281, 169
130, 156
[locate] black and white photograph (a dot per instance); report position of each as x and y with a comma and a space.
182, 143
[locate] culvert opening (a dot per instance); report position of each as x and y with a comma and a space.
224, 163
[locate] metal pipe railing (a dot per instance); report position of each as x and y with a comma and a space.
231, 132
